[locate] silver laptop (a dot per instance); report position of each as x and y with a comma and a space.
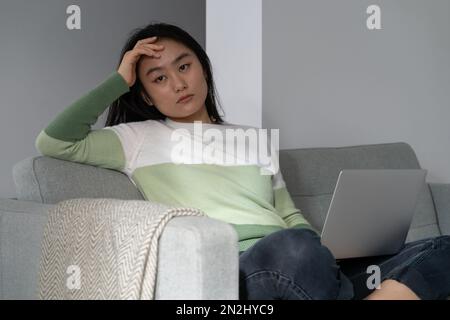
371, 211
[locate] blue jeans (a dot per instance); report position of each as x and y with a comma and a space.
292, 264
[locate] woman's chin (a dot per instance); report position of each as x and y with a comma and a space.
188, 111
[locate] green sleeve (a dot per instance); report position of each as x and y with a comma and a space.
69, 135
286, 209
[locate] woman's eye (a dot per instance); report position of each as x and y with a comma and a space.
158, 79
187, 65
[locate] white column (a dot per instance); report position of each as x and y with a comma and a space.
234, 46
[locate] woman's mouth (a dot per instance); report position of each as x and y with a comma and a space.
186, 99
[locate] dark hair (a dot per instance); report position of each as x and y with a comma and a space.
131, 106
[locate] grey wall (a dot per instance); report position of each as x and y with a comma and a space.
329, 81
45, 67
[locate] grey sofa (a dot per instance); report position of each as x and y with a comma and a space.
188, 268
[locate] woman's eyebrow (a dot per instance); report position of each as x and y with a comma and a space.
181, 56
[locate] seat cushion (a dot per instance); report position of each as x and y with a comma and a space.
311, 175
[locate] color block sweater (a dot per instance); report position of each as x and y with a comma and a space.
254, 204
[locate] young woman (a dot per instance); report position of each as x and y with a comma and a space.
163, 84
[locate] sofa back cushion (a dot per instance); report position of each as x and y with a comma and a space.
49, 180
311, 175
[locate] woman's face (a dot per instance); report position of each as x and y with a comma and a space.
179, 73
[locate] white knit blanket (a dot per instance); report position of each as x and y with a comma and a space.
103, 248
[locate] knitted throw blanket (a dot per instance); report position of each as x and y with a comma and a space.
103, 248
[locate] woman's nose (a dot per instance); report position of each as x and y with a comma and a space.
180, 83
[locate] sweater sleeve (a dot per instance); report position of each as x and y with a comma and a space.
69, 135
284, 205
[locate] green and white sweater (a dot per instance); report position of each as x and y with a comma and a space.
254, 204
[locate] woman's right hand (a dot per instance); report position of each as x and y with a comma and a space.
127, 68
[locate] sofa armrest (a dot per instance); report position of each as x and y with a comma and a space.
441, 198
198, 259
21, 228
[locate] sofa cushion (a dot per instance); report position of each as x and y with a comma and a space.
311, 175
50, 180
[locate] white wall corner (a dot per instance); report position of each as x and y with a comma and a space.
234, 46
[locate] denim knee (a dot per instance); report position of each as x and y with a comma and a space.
303, 267
428, 273
285, 249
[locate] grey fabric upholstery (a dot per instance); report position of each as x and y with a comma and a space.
441, 197
198, 259
311, 176
49, 180
21, 230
